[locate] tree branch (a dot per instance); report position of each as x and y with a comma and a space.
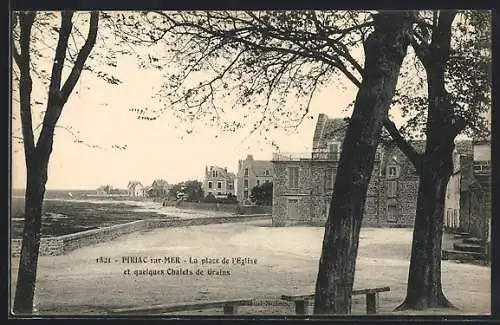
70, 83
60, 55
26, 20
404, 145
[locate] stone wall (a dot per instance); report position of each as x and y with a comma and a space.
224, 207
61, 245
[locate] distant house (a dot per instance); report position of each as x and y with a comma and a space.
218, 181
252, 173
159, 188
102, 190
135, 189
106, 190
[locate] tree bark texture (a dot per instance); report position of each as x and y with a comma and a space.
25, 286
424, 278
385, 49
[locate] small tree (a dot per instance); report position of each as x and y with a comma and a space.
37, 153
263, 194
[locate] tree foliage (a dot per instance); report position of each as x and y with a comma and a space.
270, 63
263, 194
467, 76
192, 190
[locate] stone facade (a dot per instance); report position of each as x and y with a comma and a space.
218, 181
475, 196
392, 192
252, 173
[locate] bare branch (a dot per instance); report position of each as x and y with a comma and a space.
60, 55
82, 56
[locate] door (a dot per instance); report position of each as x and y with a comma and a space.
392, 213
293, 209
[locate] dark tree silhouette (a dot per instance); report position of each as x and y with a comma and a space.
37, 154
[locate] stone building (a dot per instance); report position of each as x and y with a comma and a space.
303, 182
252, 173
218, 181
475, 198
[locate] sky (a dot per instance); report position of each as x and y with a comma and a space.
100, 112
155, 149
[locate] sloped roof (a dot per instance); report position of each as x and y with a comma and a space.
222, 172
328, 129
160, 183
259, 167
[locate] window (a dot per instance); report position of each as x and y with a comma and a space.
267, 172
215, 173
391, 213
219, 185
209, 184
245, 183
392, 171
258, 182
392, 188
246, 172
293, 177
328, 179
333, 150
245, 194
230, 186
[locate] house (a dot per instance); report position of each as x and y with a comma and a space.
159, 188
252, 173
218, 181
135, 189
303, 182
475, 195
102, 190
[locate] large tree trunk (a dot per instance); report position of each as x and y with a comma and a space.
26, 278
424, 279
385, 49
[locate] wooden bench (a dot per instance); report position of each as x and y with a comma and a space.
229, 307
301, 301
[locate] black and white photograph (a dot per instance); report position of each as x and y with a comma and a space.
233, 163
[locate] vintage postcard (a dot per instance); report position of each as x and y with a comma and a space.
250, 163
